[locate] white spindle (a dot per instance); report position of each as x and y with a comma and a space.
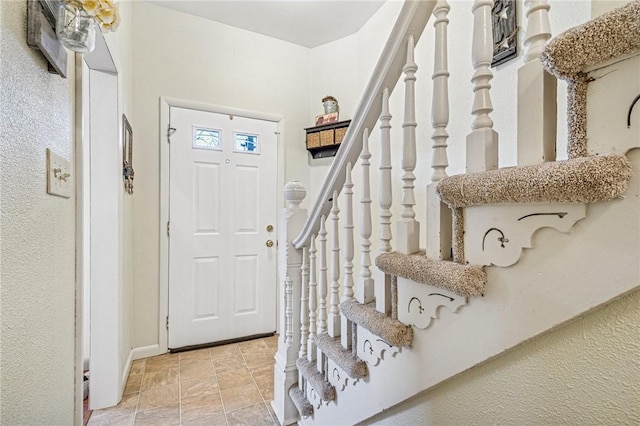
334, 298
408, 228
347, 292
313, 297
438, 214
538, 28
440, 99
537, 91
482, 142
304, 304
382, 282
322, 278
385, 174
288, 310
364, 289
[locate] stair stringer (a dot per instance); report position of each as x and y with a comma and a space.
563, 278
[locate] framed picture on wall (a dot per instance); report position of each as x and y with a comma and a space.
127, 154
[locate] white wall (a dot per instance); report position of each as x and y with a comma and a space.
182, 56
38, 233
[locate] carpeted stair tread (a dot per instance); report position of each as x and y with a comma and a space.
611, 35
390, 330
579, 180
300, 401
309, 371
461, 279
346, 360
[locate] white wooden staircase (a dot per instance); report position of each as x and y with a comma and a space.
358, 339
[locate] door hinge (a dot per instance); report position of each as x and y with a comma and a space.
170, 132
167, 322
168, 229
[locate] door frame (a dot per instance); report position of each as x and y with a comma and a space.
165, 105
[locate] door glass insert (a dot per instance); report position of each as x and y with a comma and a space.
204, 138
246, 142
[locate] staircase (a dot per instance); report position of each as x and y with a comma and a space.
361, 333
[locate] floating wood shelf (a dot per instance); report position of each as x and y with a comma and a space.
324, 140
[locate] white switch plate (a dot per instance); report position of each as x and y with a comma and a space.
59, 179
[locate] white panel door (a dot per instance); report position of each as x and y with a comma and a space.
222, 203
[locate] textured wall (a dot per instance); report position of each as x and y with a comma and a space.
38, 234
584, 373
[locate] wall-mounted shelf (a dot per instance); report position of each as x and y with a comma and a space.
324, 140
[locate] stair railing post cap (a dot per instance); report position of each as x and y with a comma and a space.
294, 193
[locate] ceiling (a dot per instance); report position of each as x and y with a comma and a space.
308, 23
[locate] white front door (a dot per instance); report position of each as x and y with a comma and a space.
222, 213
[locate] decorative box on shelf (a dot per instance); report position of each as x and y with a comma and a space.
324, 140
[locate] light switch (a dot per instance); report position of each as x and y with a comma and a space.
59, 180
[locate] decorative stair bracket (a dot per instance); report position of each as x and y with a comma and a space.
373, 349
500, 231
419, 304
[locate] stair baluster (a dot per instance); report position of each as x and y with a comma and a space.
304, 305
482, 142
364, 289
408, 230
333, 322
347, 293
438, 214
322, 290
537, 115
313, 297
383, 281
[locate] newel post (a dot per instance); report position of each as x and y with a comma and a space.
292, 220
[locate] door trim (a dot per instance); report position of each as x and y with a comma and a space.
165, 105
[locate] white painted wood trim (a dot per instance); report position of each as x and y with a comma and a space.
411, 21
146, 352
126, 370
165, 105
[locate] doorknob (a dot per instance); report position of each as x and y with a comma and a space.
269, 228
269, 243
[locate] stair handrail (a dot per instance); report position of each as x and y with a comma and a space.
411, 21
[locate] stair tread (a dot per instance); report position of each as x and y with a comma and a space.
301, 402
317, 381
344, 358
461, 279
579, 180
390, 330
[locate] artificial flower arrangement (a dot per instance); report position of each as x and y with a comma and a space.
105, 12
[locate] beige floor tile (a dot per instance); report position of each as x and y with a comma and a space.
168, 415
133, 384
262, 372
255, 415
115, 420
259, 359
226, 351
266, 389
137, 367
240, 397
228, 364
158, 397
251, 346
118, 414
202, 407
234, 378
161, 362
272, 341
197, 354
195, 368
157, 378
198, 387
273, 415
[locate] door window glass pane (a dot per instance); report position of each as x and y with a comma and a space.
246, 142
206, 138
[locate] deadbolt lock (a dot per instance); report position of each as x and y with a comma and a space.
269, 228
269, 243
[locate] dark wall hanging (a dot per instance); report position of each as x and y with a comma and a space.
505, 31
41, 34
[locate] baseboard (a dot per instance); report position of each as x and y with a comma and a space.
146, 351
126, 370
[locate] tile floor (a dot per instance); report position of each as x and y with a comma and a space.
224, 385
